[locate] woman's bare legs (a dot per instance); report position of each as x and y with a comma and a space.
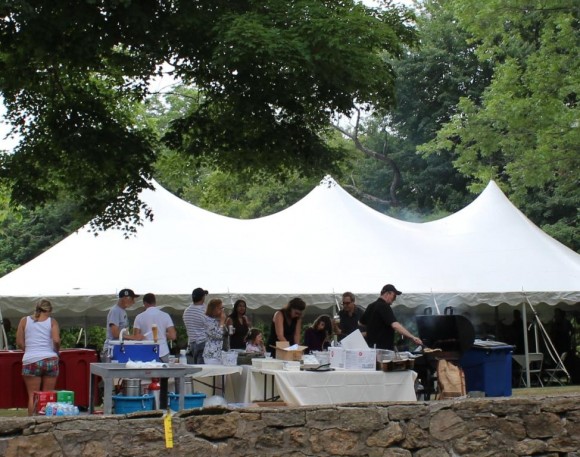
32, 385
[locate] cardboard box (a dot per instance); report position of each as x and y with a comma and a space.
41, 399
283, 353
65, 396
360, 359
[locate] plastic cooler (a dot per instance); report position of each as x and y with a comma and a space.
488, 369
137, 351
190, 401
125, 405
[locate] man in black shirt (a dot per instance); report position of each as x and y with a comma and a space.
381, 322
349, 315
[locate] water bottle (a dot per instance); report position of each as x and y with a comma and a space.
48, 409
182, 357
59, 410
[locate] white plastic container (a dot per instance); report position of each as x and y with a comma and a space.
292, 366
257, 362
229, 358
272, 364
323, 357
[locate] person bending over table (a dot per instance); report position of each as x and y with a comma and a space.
287, 324
381, 322
318, 336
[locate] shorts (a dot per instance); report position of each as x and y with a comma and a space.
45, 367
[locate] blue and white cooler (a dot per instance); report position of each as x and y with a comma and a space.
136, 351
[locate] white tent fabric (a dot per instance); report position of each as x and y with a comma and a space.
328, 242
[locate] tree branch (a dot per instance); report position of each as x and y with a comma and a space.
397, 179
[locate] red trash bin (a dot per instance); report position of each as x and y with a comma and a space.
11, 382
74, 373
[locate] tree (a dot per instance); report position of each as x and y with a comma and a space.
270, 72
524, 131
431, 79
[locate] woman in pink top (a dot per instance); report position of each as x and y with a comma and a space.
39, 337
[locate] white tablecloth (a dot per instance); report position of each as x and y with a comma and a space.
322, 388
210, 378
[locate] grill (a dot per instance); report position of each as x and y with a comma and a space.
452, 334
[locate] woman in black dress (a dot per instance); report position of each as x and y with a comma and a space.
240, 324
287, 324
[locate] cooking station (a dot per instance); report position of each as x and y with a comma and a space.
452, 334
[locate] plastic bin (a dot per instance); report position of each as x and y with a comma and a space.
489, 370
190, 401
125, 405
12, 385
74, 374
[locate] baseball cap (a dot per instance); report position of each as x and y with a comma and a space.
198, 293
390, 288
127, 293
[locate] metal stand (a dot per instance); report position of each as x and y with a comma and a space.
537, 323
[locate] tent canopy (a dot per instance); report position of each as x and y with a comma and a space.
326, 243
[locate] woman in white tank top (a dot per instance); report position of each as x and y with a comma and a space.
39, 337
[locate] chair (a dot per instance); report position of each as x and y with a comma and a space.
556, 374
536, 360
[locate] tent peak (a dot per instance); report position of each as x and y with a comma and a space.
328, 181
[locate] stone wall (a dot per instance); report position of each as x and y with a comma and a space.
522, 426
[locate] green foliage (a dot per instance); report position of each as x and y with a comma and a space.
24, 234
270, 72
431, 79
524, 131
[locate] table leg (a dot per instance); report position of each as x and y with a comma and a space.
181, 393
91, 399
107, 400
163, 384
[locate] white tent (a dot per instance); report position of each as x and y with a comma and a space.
328, 242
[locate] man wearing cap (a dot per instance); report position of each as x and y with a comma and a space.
194, 320
381, 322
154, 317
117, 319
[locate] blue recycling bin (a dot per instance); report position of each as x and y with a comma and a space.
488, 368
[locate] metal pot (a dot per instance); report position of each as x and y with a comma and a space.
132, 387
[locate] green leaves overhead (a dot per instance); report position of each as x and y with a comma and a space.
271, 73
524, 132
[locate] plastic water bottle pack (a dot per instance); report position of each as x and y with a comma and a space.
61, 409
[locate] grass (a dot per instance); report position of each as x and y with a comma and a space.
549, 390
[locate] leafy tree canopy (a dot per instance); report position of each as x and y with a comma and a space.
524, 131
270, 73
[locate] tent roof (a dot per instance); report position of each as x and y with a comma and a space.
326, 243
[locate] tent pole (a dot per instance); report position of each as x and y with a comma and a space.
526, 349
3, 336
